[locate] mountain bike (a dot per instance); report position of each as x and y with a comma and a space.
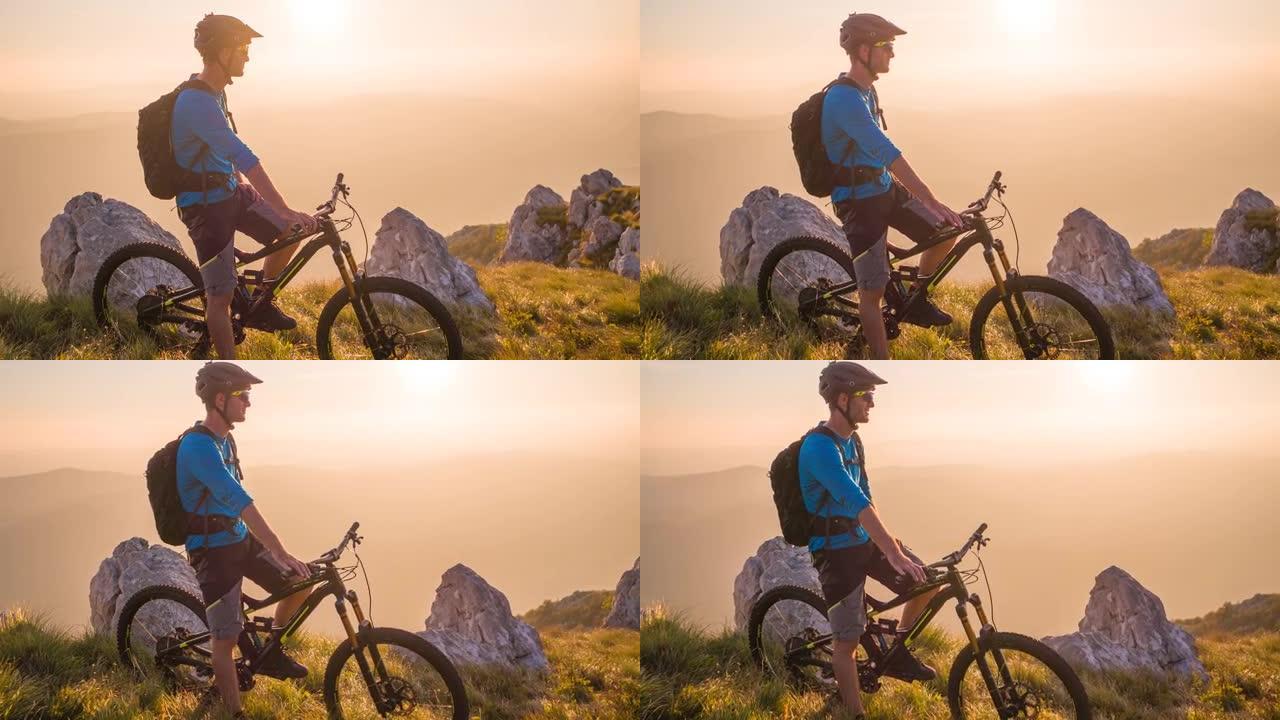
374, 671
157, 290
996, 674
810, 282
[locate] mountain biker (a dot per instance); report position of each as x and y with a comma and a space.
204, 140
233, 540
878, 200
855, 543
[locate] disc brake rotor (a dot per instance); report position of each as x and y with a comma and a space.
397, 696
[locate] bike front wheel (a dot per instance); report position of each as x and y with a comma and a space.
156, 633
393, 672
1027, 679
1039, 319
155, 290
790, 638
808, 281
396, 320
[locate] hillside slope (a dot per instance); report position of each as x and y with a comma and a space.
1222, 314
544, 312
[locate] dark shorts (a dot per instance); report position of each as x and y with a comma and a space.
843, 575
866, 226
213, 227
220, 572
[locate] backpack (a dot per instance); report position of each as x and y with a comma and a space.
164, 177
784, 476
173, 522
819, 175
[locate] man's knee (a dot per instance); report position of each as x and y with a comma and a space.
870, 296
221, 301
224, 645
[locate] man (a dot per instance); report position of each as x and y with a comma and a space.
232, 540
852, 542
204, 141
878, 199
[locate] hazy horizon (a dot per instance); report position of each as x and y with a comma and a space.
1151, 467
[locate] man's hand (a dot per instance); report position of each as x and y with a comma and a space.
948, 216
306, 222
904, 565
292, 564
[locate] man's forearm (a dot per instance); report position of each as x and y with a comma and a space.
906, 175
258, 526
262, 183
870, 521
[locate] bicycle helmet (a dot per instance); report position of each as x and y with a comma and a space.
864, 29
221, 377
216, 32
845, 376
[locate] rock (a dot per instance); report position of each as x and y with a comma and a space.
133, 565
765, 219
599, 182
471, 622
1096, 260
86, 232
1125, 628
1237, 245
599, 243
777, 563
405, 247
538, 230
626, 601
627, 260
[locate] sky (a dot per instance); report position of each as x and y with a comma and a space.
729, 57
100, 415
66, 56
702, 417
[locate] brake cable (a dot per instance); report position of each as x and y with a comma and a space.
991, 598
367, 588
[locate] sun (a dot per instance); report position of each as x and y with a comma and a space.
1028, 18
318, 16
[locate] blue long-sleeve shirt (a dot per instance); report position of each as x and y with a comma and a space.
850, 113
833, 488
205, 463
200, 120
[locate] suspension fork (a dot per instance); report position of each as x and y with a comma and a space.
346, 263
365, 626
976, 644
986, 631
354, 637
1014, 307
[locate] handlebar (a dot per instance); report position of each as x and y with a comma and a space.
955, 557
339, 188
351, 537
979, 206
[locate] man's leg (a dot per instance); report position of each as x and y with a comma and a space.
912, 609
224, 673
930, 259
288, 606
845, 668
848, 622
276, 261
217, 317
873, 323
225, 623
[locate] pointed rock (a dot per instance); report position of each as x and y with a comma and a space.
765, 219
1097, 261
86, 232
471, 622
777, 563
405, 247
135, 564
1240, 241
1125, 628
538, 230
626, 601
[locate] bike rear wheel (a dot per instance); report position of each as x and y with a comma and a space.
409, 324
1030, 681
1058, 322
410, 678
152, 626
133, 293
795, 283
790, 638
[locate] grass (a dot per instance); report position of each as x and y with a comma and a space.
582, 609
47, 673
478, 244
1222, 313
544, 312
1179, 250
691, 673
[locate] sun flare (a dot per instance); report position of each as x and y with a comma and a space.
319, 16
1028, 17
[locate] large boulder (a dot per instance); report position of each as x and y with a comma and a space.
1238, 241
88, 230
777, 563
135, 564
584, 201
599, 243
765, 219
1098, 261
405, 247
626, 262
626, 601
1125, 628
538, 230
471, 622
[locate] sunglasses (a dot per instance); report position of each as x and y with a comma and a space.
886, 44
242, 394
868, 394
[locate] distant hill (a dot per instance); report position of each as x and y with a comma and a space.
1176, 250
581, 609
1260, 613
478, 244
